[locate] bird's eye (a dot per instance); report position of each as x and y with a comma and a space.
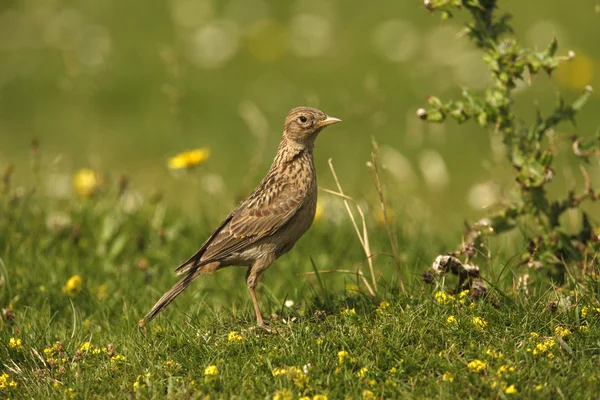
302, 119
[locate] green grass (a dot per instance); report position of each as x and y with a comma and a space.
409, 349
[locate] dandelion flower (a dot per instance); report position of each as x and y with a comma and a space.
85, 182
451, 320
73, 286
477, 366
189, 159
362, 372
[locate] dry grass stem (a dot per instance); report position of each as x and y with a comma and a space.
388, 226
362, 237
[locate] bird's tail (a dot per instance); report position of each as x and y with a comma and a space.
167, 298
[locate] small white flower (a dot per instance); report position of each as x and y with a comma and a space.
306, 368
289, 303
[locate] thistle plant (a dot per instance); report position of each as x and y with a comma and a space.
528, 146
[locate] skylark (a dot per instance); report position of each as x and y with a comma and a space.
269, 222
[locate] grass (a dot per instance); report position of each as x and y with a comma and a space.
78, 273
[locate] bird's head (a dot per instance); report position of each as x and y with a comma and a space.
303, 124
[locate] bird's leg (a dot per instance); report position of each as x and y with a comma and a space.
252, 280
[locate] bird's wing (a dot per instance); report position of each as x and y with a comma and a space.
268, 209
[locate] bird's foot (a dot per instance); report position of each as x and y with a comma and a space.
265, 326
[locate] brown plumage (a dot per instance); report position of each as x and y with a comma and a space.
269, 222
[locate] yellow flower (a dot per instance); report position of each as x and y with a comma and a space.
6, 382
172, 364
510, 390
298, 376
211, 371
534, 335
284, 394
561, 331
584, 328
504, 369
85, 182
494, 354
319, 341
588, 311
319, 397
362, 372
451, 320
382, 306
318, 211
348, 311
73, 286
101, 292
50, 351
441, 297
86, 346
393, 370
118, 359
479, 323
477, 366
342, 356
189, 159
368, 395
448, 376
463, 294
234, 337
543, 347
16, 344
140, 381
539, 387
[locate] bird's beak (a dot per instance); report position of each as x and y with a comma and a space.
329, 121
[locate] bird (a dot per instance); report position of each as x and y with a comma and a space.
267, 224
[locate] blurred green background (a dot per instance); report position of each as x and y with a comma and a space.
121, 86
